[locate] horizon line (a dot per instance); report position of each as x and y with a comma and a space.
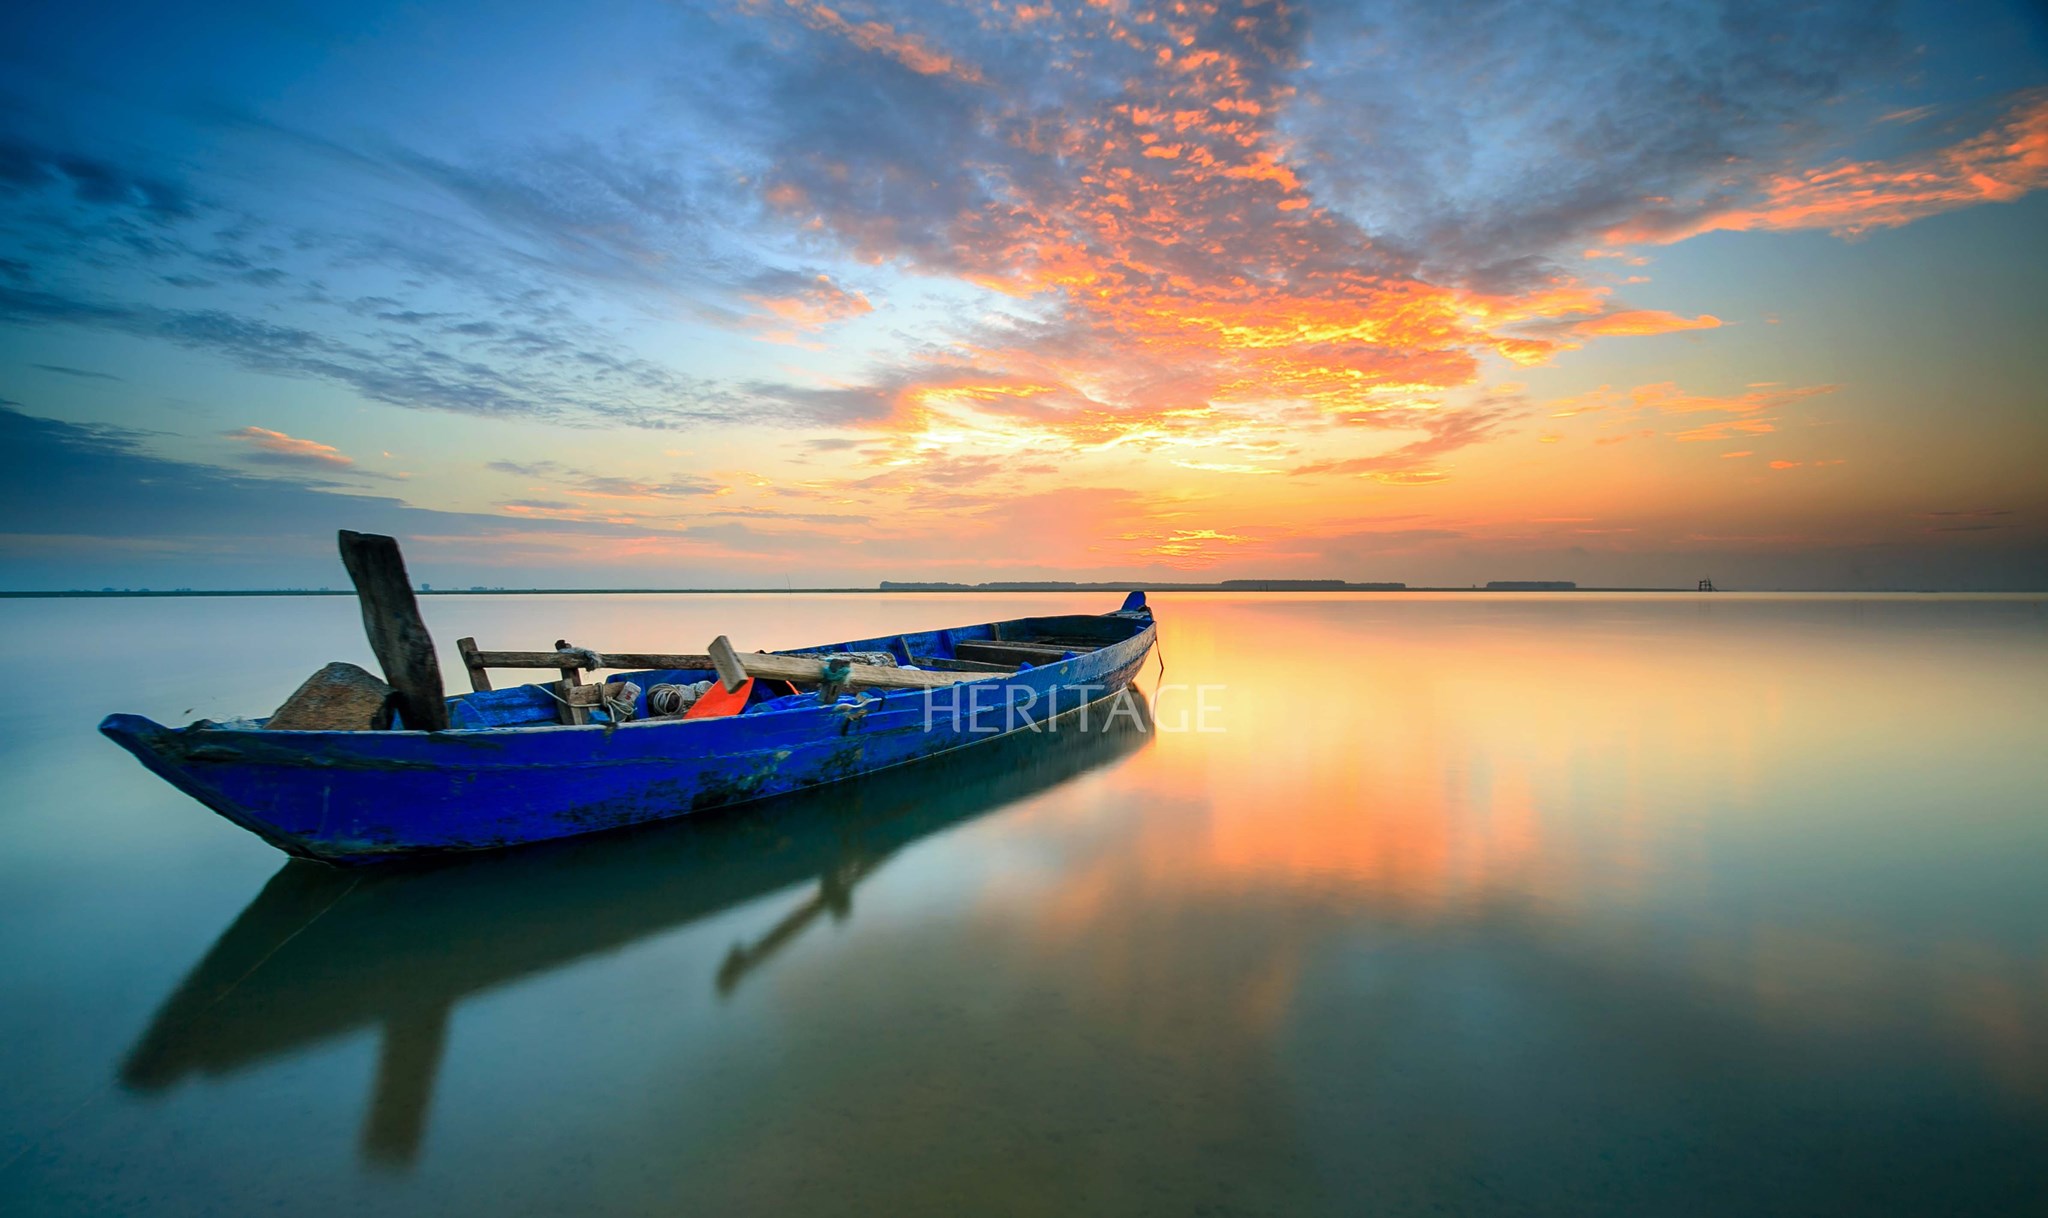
1381, 589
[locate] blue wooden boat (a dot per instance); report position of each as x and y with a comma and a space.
505, 772
322, 955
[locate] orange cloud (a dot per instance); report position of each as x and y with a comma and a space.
1179, 253
1853, 197
1667, 397
1725, 430
815, 306
1639, 322
277, 446
906, 49
1186, 548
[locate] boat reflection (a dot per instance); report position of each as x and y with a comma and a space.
320, 954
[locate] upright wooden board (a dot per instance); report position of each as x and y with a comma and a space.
398, 635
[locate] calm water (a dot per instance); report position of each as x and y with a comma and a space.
1717, 905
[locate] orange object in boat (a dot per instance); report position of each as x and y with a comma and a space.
718, 701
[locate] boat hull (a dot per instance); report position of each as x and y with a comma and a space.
369, 797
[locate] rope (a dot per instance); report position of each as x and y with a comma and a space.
667, 699
581, 657
625, 705
621, 710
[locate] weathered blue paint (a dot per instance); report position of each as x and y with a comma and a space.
362, 797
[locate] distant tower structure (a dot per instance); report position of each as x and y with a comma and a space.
1707, 585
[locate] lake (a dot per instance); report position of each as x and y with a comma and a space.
1470, 904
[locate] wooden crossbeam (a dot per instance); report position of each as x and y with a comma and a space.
630, 660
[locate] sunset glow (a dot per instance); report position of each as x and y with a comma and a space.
772, 291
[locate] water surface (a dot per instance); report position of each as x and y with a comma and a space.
1467, 904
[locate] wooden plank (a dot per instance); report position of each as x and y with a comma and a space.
730, 673
570, 661
806, 671
628, 660
568, 709
945, 665
861, 676
594, 696
1019, 645
479, 678
398, 635
995, 652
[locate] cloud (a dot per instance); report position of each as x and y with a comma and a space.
761, 513
1146, 282
1177, 200
276, 446
603, 486
1638, 322
883, 39
81, 373
1478, 139
27, 167
403, 371
623, 212
89, 505
1187, 549
1747, 410
1727, 429
535, 469
1168, 245
507, 244
1970, 520
1667, 398
1413, 463
79, 501
1850, 198
795, 305
587, 484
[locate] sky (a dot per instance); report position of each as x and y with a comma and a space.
765, 293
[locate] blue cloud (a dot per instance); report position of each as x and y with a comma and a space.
79, 502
